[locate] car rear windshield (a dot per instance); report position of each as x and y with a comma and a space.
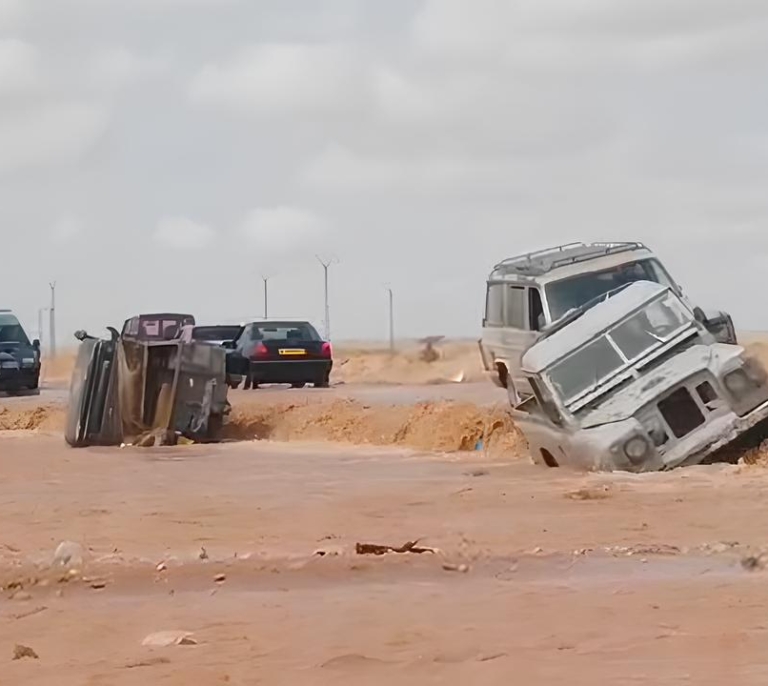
11, 330
297, 331
215, 333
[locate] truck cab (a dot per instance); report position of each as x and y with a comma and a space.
633, 381
528, 293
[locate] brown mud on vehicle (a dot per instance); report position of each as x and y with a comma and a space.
125, 391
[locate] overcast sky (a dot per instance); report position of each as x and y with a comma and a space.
164, 154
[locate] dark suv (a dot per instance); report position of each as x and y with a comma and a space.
19, 358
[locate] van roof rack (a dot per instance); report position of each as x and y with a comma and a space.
541, 262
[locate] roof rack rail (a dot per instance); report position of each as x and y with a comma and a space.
542, 261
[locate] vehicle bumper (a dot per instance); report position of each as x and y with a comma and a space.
16, 379
712, 437
290, 371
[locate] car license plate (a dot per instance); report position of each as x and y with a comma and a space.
292, 351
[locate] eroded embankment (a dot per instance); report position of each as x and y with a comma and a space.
442, 426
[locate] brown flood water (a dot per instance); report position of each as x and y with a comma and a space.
569, 578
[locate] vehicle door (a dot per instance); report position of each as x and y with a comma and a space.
523, 319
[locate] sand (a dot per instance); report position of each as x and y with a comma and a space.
249, 549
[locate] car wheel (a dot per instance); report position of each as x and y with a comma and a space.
298, 385
322, 383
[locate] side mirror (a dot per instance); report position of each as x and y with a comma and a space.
81, 334
699, 315
229, 345
36, 344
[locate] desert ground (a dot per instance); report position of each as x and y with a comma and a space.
239, 563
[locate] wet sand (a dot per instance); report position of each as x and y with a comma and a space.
615, 578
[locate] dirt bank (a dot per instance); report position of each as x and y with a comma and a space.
429, 426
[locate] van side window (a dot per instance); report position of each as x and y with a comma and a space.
536, 319
515, 307
494, 305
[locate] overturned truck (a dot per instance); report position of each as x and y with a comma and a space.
129, 391
633, 381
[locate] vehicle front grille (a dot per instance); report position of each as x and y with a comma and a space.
681, 412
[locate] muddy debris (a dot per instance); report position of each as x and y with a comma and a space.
462, 568
68, 554
149, 662
590, 493
163, 639
753, 563
21, 652
220, 578
204, 554
376, 549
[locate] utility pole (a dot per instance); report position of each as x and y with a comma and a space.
325, 282
40, 311
391, 322
52, 321
266, 300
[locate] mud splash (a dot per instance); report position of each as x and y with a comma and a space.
40, 417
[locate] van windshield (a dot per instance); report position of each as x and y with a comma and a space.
574, 291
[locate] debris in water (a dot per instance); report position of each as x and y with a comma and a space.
456, 568
68, 554
600, 493
163, 639
150, 662
204, 554
753, 562
20, 652
220, 578
376, 549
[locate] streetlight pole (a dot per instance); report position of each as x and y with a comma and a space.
40, 311
325, 290
265, 279
52, 321
391, 322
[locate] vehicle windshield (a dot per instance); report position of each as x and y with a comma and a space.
574, 291
215, 333
621, 345
11, 330
298, 331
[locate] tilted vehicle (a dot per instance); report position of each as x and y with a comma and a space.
124, 389
20, 358
162, 326
635, 382
218, 334
524, 294
282, 352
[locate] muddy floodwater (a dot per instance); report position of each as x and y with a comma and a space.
539, 576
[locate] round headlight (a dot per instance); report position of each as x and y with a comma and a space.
736, 382
636, 448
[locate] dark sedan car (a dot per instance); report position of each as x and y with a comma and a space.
283, 352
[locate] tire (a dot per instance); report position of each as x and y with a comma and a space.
322, 383
298, 385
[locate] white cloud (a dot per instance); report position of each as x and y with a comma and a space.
280, 78
180, 232
58, 133
18, 66
66, 229
280, 230
119, 66
11, 11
